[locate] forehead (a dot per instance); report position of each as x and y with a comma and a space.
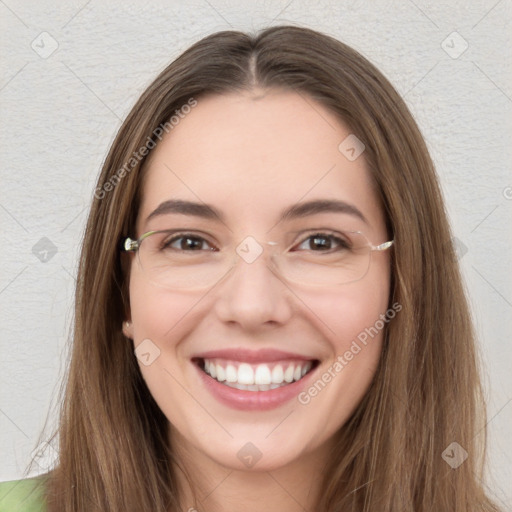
253, 153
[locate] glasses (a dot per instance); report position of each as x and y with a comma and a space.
175, 259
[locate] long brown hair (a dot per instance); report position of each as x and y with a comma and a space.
114, 451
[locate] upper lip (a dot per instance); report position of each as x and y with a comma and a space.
252, 356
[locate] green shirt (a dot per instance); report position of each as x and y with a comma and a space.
22, 495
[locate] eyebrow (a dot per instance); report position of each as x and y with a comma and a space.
299, 210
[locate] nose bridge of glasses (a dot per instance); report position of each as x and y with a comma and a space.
258, 259
250, 249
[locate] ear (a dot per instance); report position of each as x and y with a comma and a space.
128, 329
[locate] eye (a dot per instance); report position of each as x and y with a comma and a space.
187, 242
323, 242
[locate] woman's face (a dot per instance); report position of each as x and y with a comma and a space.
250, 157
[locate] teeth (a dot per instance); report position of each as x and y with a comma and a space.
256, 377
245, 374
288, 374
253, 387
263, 375
221, 373
231, 373
277, 374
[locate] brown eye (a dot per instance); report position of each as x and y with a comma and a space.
187, 243
320, 242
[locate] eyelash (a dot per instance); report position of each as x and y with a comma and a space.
167, 243
341, 243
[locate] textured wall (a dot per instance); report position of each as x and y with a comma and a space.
70, 72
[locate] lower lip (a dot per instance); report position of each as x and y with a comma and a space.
253, 400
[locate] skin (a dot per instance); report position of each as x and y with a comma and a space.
251, 155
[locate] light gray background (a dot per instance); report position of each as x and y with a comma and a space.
60, 113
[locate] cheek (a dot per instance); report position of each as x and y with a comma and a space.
354, 324
357, 343
350, 313
156, 318
156, 312
159, 320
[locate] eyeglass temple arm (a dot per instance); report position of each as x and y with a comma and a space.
133, 245
382, 247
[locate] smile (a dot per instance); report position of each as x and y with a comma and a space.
255, 377
254, 380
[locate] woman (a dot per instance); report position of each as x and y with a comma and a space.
269, 313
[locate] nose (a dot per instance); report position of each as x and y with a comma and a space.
253, 295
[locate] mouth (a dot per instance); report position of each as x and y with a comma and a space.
255, 377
